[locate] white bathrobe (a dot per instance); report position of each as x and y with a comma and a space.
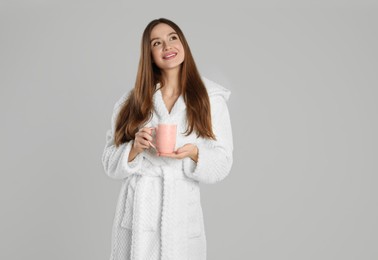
159, 213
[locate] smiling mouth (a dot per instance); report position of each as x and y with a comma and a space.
170, 56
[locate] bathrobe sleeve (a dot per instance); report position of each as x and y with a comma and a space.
215, 158
115, 159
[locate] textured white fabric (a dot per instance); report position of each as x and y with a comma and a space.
159, 213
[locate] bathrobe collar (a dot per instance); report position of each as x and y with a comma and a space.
213, 90
160, 107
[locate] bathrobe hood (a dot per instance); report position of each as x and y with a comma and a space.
214, 89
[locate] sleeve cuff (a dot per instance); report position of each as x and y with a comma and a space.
212, 166
135, 165
191, 168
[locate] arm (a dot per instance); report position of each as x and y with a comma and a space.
215, 158
115, 160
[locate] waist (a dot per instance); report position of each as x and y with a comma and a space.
165, 168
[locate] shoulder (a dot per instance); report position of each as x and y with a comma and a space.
218, 96
215, 90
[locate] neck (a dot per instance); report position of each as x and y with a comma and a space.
172, 83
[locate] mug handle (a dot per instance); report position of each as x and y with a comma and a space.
153, 129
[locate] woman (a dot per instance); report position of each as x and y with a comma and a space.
159, 214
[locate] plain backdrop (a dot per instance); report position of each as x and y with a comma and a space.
303, 107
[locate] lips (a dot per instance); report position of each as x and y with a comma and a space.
169, 55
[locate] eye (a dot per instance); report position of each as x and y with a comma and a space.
154, 44
174, 37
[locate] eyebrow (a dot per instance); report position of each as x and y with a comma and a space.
158, 38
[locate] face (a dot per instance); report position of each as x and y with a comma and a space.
166, 48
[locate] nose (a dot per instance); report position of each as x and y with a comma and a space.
166, 46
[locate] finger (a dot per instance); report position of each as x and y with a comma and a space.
147, 130
152, 145
143, 136
144, 143
146, 136
141, 143
142, 147
181, 151
175, 156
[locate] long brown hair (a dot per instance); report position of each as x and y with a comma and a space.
138, 106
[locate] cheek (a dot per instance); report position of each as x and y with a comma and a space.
181, 48
154, 55
182, 52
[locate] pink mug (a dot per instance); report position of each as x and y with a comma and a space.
165, 138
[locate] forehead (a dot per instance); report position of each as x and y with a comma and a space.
161, 30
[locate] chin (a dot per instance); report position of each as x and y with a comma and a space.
172, 66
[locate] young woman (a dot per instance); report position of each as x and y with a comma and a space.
159, 213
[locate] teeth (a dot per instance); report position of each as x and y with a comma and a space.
168, 56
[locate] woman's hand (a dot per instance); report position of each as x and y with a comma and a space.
142, 138
141, 142
188, 150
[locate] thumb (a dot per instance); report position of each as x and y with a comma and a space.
181, 149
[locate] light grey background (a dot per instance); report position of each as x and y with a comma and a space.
303, 108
